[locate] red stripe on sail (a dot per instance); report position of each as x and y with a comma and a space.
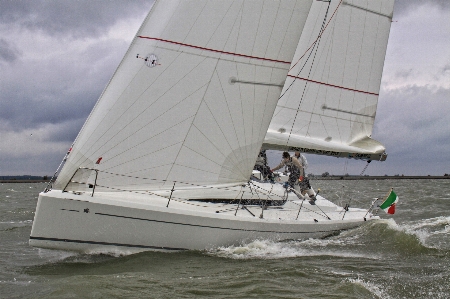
212, 50
332, 85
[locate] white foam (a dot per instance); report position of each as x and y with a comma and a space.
425, 228
437, 221
422, 229
54, 256
111, 252
16, 282
17, 222
374, 289
265, 249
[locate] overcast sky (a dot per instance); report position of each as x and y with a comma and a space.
57, 56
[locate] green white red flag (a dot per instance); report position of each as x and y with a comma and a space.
389, 204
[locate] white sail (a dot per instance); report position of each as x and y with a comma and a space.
329, 100
193, 97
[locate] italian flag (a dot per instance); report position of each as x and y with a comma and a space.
389, 204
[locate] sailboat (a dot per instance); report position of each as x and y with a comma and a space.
165, 159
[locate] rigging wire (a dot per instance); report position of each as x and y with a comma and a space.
312, 45
52, 179
315, 50
365, 167
257, 189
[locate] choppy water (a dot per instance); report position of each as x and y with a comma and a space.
404, 256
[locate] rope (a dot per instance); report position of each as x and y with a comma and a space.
365, 167
324, 216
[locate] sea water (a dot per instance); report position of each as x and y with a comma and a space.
406, 255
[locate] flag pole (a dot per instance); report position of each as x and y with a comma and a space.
389, 192
371, 206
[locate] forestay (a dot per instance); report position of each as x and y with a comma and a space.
328, 104
193, 97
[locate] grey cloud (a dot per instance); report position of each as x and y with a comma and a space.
25, 112
66, 131
405, 6
42, 163
404, 74
445, 70
413, 123
70, 18
57, 89
8, 52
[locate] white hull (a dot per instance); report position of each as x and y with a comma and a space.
110, 222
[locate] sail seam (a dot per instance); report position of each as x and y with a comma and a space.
157, 117
332, 85
213, 50
211, 160
130, 122
253, 88
220, 128
239, 23
93, 152
183, 143
212, 143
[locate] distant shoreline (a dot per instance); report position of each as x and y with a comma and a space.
384, 177
334, 177
23, 181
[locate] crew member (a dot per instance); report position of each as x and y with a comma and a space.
293, 166
261, 166
302, 161
305, 186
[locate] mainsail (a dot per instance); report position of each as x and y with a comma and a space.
329, 100
192, 99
